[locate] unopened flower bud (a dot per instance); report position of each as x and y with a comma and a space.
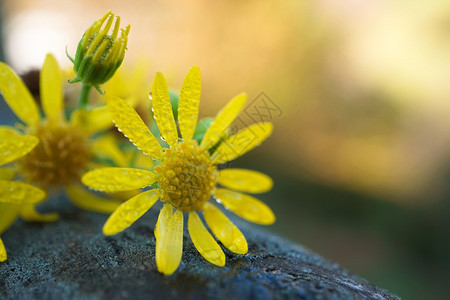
100, 53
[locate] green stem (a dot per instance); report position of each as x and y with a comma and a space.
84, 96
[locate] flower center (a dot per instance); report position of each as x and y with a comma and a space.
187, 176
59, 158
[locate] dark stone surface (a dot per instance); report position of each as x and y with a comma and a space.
72, 259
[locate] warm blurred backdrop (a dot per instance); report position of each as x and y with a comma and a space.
358, 90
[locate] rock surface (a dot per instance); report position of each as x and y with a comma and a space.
72, 259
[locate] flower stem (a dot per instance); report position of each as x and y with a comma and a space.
84, 96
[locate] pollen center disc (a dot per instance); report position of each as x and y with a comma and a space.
59, 158
187, 176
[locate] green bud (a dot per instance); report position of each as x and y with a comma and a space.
100, 54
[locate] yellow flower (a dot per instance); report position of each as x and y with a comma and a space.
187, 175
16, 198
65, 149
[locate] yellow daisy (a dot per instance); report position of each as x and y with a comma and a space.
16, 198
65, 150
187, 175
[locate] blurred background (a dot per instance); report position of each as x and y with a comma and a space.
358, 91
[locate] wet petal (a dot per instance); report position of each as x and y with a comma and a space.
242, 142
168, 209
3, 256
118, 179
204, 242
162, 110
8, 214
89, 201
14, 147
246, 206
131, 125
169, 244
245, 180
230, 236
223, 120
17, 96
189, 102
51, 89
16, 192
30, 214
131, 210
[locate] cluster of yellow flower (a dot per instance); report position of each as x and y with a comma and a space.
49, 153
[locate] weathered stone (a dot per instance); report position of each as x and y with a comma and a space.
72, 259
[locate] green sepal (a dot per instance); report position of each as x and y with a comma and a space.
201, 128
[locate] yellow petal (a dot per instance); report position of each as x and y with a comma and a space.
189, 102
17, 96
169, 244
204, 242
8, 214
89, 201
124, 195
168, 209
3, 256
6, 131
51, 89
223, 119
131, 210
16, 192
156, 230
162, 110
242, 142
14, 147
118, 179
230, 236
131, 125
245, 180
142, 161
92, 121
106, 147
30, 214
246, 206
7, 173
